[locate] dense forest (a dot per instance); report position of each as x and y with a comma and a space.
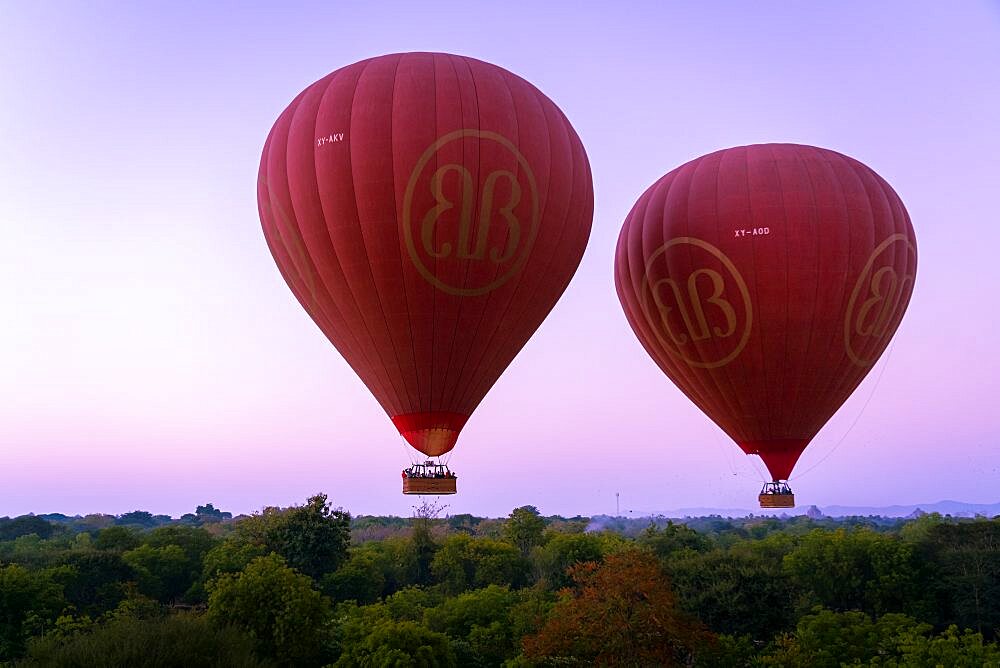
312, 586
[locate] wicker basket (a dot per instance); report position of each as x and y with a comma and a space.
429, 486
776, 500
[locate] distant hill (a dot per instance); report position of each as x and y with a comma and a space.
953, 508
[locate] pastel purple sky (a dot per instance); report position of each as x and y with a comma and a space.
152, 357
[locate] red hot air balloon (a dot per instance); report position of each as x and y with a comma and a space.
427, 210
765, 281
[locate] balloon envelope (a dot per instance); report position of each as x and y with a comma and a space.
427, 210
765, 281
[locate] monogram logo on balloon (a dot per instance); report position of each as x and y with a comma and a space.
461, 248
696, 302
878, 299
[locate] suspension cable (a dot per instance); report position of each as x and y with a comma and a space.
878, 379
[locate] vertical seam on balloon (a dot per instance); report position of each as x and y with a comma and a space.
431, 406
450, 393
458, 312
694, 385
700, 384
473, 384
275, 245
756, 299
402, 273
711, 379
847, 386
780, 390
872, 187
516, 283
874, 182
795, 422
669, 364
836, 342
508, 336
507, 332
333, 302
434, 258
376, 372
391, 387
292, 221
404, 397
892, 200
907, 230
860, 175
864, 178
724, 370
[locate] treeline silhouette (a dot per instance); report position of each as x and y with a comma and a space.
312, 586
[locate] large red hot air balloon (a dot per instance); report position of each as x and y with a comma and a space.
427, 210
765, 281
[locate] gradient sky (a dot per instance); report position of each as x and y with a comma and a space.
152, 357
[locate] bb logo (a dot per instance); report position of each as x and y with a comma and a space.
878, 299
700, 305
443, 227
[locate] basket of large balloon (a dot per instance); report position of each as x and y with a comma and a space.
429, 478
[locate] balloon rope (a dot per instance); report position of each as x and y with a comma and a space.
763, 477
407, 450
861, 412
727, 453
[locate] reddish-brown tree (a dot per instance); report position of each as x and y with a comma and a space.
619, 613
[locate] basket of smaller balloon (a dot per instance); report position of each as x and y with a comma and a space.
429, 485
777, 500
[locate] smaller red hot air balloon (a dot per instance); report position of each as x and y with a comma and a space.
765, 281
427, 210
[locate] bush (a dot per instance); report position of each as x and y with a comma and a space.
181, 641
275, 605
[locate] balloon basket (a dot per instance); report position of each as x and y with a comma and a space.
429, 478
777, 500
776, 495
429, 486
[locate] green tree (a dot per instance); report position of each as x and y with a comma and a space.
964, 573
828, 639
423, 546
117, 539
402, 644
164, 573
195, 541
176, 641
25, 526
359, 579
95, 582
482, 623
209, 513
857, 570
672, 539
30, 602
525, 529
313, 538
552, 560
951, 648
463, 562
734, 593
276, 605
139, 518
230, 556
